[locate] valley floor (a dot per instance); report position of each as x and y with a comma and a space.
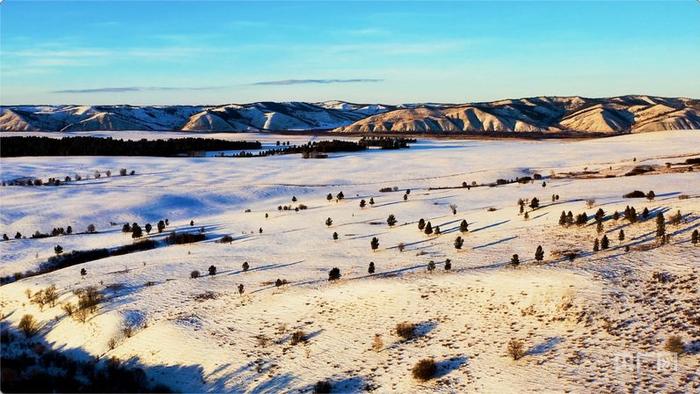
599, 322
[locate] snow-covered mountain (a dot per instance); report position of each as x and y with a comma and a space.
539, 114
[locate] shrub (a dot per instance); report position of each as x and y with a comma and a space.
431, 266
674, 344
401, 246
323, 386
425, 369
634, 194
334, 274
377, 343
194, 274
91, 228
590, 203
406, 330
226, 239
28, 325
516, 349
184, 238
298, 337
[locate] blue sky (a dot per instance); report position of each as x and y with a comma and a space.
182, 52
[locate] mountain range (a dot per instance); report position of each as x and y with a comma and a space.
623, 114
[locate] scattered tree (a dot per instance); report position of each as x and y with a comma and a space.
562, 219
695, 237
660, 225
599, 227
436, 230
245, 266
335, 236
421, 224
294, 199
431, 266
363, 203
241, 289
616, 216
58, 249
194, 274
371, 201
148, 228
391, 220
334, 274
534, 203
83, 272
448, 264
374, 243
464, 226
515, 260
539, 253
340, 196
126, 228
459, 242
161, 226
516, 349
329, 197
212, 270
371, 268
136, 231
651, 195
425, 369
69, 230
28, 325
604, 243
428, 228
596, 245
329, 222
621, 235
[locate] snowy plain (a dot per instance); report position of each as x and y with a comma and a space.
562, 310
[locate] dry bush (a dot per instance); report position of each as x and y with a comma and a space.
68, 308
674, 344
401, 246
298, 337
226, 239
683, 197
590, 203
112, 343
377, 343
425, 369
28, 325
406, 330
262, 340
516, 349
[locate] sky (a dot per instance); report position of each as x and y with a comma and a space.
216, 52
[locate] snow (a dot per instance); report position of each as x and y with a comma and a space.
465, 316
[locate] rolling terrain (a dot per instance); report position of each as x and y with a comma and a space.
615, 115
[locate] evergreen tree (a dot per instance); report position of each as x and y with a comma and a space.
335, 235
660, 225
539, 253
58, 249
363, 203
5, 237
371, 201
294, 198
126, 228
695, 237
334, 274
651, 195
329, 222
515, 260
83, 272
621, 235
599, 215
212, 270
562, 219
599, 227
522, 209
405, 197
91, 228
161, 226
329, 197
616, 215
370, 270
421, 224
136, 231
464, 226
18, 235
69, 230
448, 264
459, 242
431, 266
340, 196
534, 203
241, 288
245, 266
374, 243
191, 223
148, 228
391, 220
596, 245
428, 228
633, 215
527, 216
569, 218
436, 230
604, 243
645, 213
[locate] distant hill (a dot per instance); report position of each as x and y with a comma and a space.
538, 114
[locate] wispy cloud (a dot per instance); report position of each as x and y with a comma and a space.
124, 89
317, 81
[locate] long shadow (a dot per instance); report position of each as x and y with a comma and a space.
544, 347
444, 367
490, 225
495, 242
259, 268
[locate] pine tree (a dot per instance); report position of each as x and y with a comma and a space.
126, 228
459, 242
69, 230
527, 216
329, 222
621, 235
335, 236
604, 243
212, 270
436, 231
374, 243
58, 249
633, 215
569, 218
340, 196
161, 226
616, 215
363, 203
562, 219
534, 203
370, 270
515, 260
522, 209
245, 266
83, 272
371, 201
329, 197
428, 228
645, 213
421, 224
596, 245
448, 264
148, 228
391, 220
599, 215
136, 231
695, 237
334, 274
464, 226
241, 288
660, 225
539, 253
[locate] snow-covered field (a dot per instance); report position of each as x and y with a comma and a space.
583, 322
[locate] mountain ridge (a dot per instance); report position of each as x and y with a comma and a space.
542, 114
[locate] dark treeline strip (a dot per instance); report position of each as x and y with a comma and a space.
76, 257
96, 146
